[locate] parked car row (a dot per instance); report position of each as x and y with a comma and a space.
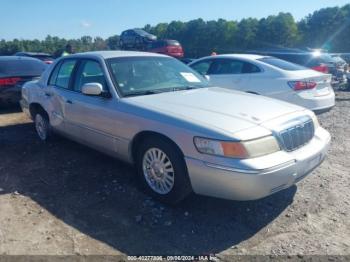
257, 74
183, 133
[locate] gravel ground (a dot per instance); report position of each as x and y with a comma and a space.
63, 198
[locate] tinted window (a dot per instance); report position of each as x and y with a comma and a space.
249, 68
282, 64
89, 72
157, 44
64, 73
135, 75
202, 67
21, 67
226, 66
140, 32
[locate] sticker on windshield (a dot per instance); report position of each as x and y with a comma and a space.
190, 77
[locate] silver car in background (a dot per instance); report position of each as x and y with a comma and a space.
183, 135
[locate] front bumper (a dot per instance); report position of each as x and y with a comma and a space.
249, 184
24, 106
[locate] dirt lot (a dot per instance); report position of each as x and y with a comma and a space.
63, 198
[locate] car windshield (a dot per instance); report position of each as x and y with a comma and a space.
149, 75
282, 64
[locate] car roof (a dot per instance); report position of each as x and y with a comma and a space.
17, 58
239, 56
116, 54
33, 53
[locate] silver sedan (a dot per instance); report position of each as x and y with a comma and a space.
182, 134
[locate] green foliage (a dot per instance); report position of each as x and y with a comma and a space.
56, 45
326, 28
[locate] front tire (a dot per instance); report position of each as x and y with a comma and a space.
42, 126
162, 171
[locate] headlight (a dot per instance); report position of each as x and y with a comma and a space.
243, 149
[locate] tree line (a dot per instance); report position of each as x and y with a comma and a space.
327, 28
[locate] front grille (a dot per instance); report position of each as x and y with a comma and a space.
298, 135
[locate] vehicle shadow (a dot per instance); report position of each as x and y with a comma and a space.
342, 99
10, 109
99, 196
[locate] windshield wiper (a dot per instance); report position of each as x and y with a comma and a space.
148, 92
158, 91
185, 88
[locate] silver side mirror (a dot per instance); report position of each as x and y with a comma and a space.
92, 89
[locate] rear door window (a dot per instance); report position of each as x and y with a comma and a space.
249, 68
226, 67
53, 76
64, 73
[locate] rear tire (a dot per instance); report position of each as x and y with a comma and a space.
42, 126
162, 171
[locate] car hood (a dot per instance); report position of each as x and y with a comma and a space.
222, 109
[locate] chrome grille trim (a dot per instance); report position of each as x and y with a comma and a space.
297, 136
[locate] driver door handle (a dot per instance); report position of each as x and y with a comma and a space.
69, 102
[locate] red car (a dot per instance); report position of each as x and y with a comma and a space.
167, 47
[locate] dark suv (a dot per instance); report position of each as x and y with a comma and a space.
167, 47
135, 39
321, 62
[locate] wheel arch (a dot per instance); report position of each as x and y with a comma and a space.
141, 136
35, 108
